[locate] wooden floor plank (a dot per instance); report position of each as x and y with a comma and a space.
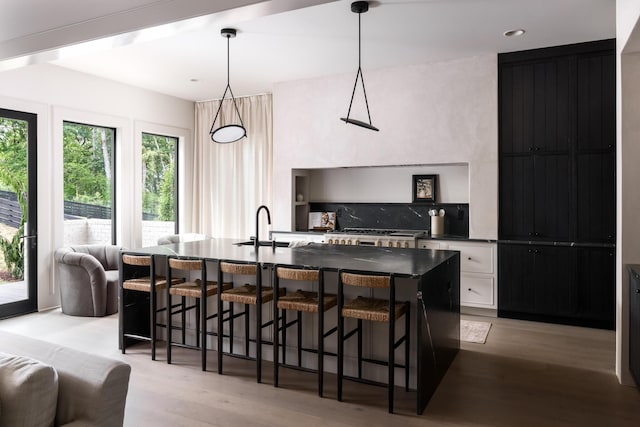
527, 374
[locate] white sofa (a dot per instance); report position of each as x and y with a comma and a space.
82, 389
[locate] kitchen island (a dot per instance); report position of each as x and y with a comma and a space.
434, 273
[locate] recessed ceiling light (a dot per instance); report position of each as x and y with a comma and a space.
194, 80
514, 33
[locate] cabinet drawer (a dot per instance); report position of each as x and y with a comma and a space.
474, 259
428, 244
476, 290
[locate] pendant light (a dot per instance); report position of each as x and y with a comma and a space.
232, 132
359, 7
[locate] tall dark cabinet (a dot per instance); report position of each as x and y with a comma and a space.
557, 184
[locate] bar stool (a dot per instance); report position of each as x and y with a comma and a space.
301, 302
248, 295
149, 283
192, 289
376, 310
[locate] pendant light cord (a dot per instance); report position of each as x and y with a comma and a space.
359, 73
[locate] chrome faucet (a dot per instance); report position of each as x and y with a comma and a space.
257, 241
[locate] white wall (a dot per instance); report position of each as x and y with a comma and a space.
628, 176
627, 13
437, 113
56, 94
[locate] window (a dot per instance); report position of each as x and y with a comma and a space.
159, 187
89, 183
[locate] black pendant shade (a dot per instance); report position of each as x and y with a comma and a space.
232, 132
359, 7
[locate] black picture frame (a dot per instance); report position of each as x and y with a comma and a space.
424, 188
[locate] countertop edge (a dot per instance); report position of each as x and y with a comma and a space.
560, 243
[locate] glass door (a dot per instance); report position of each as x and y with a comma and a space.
18, 228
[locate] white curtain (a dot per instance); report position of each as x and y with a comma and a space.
230, 181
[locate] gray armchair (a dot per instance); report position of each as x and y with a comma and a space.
88, 279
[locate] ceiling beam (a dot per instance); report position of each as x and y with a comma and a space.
129, 26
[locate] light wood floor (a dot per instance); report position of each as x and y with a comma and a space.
527, 374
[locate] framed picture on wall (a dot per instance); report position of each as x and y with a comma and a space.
424, 188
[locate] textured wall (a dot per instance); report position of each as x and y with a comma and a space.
437, 113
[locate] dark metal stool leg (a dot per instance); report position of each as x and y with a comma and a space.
183, 318
391, 360
359, 348
231, 325
153, 314
320, 332
169, 312
258, 323
392, 341
276, 325
121, 305
220, 317
407, 347
197, 304
203, 313
284, 337
340, 337
299, 330
246, 330
320, 350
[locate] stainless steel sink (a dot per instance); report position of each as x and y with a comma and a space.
264, 243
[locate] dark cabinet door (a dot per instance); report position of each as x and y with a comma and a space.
596, 197
596, 106
536, 131
537, 101
536, 202
536, 280
516, 278
634, 325
596, 285
557, 284
553, 199
516, 197
556, 291
595, 149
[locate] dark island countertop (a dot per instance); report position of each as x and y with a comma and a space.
403, 262
436, 273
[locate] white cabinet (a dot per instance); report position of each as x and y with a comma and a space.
478, 270
428, 244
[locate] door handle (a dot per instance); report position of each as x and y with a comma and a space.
32, 238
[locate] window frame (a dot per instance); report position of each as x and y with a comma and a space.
176, 175
114, 178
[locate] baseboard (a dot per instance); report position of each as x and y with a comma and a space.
476, 311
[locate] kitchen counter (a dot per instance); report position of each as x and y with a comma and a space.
436, 275
558, 243
402, 262
318, 236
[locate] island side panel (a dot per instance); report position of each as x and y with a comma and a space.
438, 326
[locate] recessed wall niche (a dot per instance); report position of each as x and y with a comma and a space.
386, 184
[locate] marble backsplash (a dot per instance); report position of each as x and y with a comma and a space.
406, 216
